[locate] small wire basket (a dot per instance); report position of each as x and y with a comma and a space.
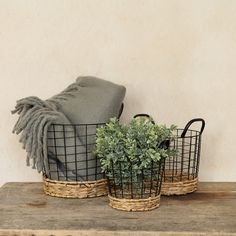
135, 192
181, 170
72, 169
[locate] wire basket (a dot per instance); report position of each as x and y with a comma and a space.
72, 169
181, 170
135, 192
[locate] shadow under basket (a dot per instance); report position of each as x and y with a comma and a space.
181, 170
72, 169
137, 192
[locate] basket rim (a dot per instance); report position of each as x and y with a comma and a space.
187, 181
45, 178
79, 124
134, 199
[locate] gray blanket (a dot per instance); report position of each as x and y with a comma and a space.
49, 144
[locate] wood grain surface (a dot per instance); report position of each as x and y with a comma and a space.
25, 210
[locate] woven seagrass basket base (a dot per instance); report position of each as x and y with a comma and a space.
134, 204
178, 187
66, 189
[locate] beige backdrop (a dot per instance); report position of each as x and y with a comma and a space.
177, 60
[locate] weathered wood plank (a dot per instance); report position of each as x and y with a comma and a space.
105, 233
217, 186
26, 210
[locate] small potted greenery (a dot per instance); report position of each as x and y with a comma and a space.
132, 157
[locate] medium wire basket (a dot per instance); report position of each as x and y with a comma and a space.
181, 170
72, 169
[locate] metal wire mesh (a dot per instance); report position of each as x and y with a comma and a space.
71, 154
135, 186
184, 164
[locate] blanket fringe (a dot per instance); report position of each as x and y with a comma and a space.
35, 117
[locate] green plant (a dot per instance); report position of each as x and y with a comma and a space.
129, 152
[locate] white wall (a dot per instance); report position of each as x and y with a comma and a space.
177, 59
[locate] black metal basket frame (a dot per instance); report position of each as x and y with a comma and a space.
147, 185
185, 164
75, 147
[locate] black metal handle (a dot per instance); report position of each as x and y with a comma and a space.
121, 110
190, 123
144, 115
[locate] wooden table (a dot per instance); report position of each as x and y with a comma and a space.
26, 210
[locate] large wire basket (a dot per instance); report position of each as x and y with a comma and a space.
72, 169
181, 170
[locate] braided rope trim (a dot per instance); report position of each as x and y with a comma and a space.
179, 187
134, 204
64, 189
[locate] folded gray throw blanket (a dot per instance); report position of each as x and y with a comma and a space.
87, 101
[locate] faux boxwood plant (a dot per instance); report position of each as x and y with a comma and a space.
130, 150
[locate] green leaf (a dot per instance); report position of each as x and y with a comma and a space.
134, 146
